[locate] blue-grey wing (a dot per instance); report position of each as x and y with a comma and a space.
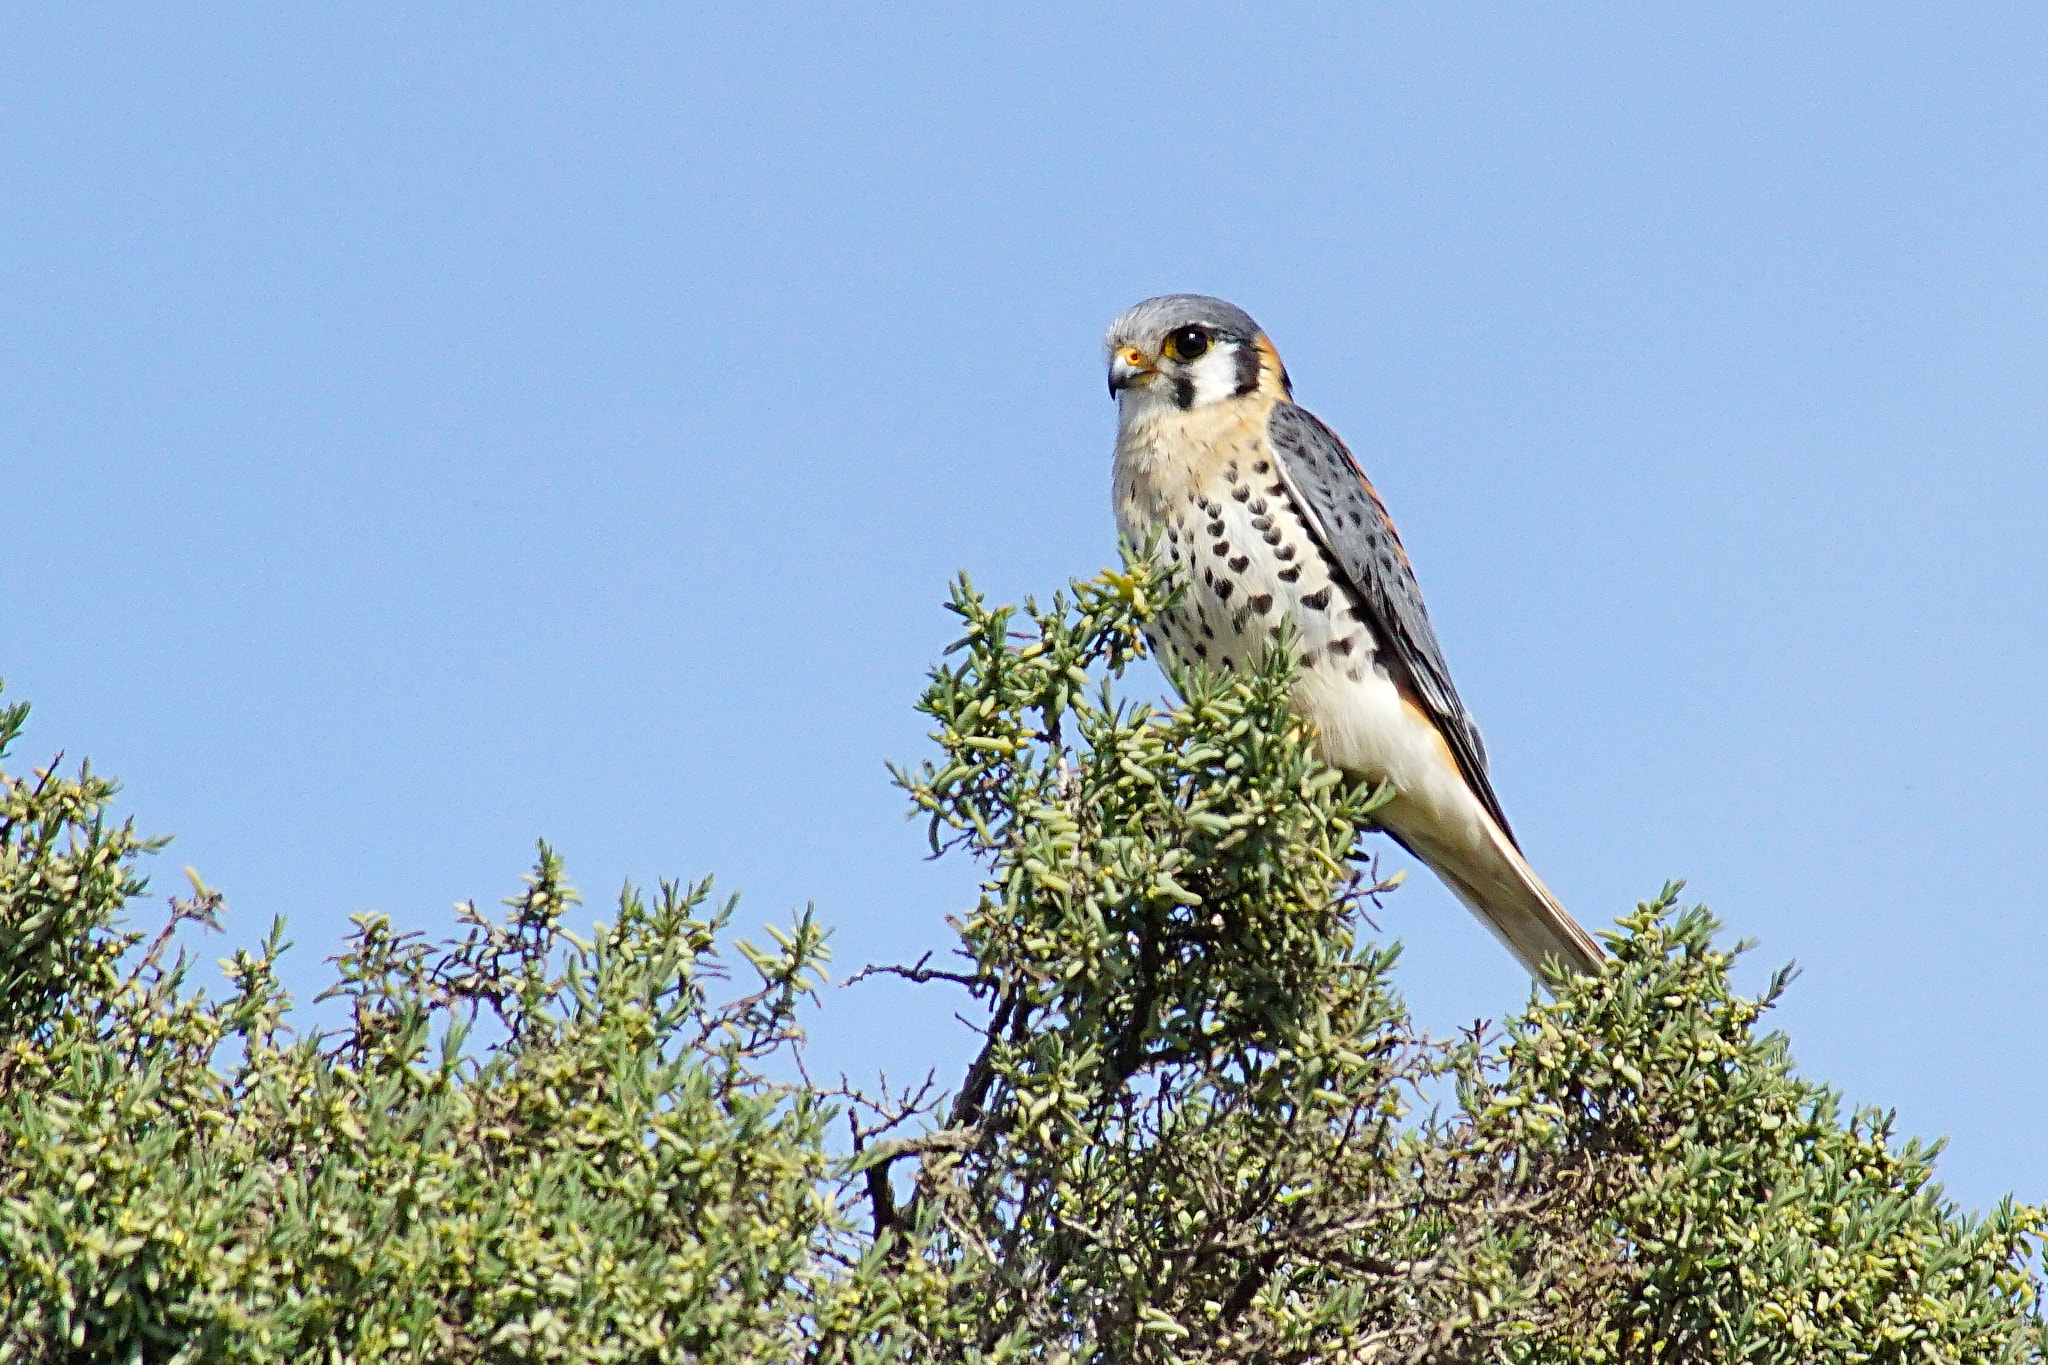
1348, 520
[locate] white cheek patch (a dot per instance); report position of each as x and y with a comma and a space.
1215, 374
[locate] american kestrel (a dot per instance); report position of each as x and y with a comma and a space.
1265, 516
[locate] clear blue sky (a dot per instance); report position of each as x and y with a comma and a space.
426, 429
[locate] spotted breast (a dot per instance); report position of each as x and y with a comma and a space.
1205, 482
1228, 525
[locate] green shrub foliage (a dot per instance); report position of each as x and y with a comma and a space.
1201, 1125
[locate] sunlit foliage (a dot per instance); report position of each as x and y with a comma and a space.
1201, 1126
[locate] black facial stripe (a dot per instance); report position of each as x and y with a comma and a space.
1184, 391
1247, 367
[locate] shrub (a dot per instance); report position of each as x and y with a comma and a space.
1197, 1129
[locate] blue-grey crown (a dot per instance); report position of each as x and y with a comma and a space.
1143, 323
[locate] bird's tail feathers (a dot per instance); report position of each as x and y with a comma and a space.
1497, 884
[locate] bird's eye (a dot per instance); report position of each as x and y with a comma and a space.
1189, 343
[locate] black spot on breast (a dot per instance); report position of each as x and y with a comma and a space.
1263, 603
1207, 634
1224, 588
1201, 650
1260, 467
1308, 660
1272, 537
1221, 547
1290, 573
1286, 553
1342, 646
1276, 488
1317, 600
1262, 523
1230, 472
1258, 507
1216, 527
1354, 675
1240, 564
1241, 492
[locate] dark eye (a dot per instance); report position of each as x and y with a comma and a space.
1187, 344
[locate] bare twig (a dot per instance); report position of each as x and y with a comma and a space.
920, 974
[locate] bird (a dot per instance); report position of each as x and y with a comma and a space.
1263, 514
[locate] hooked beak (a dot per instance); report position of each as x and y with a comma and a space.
1128, 367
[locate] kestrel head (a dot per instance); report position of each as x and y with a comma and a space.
1186, 351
